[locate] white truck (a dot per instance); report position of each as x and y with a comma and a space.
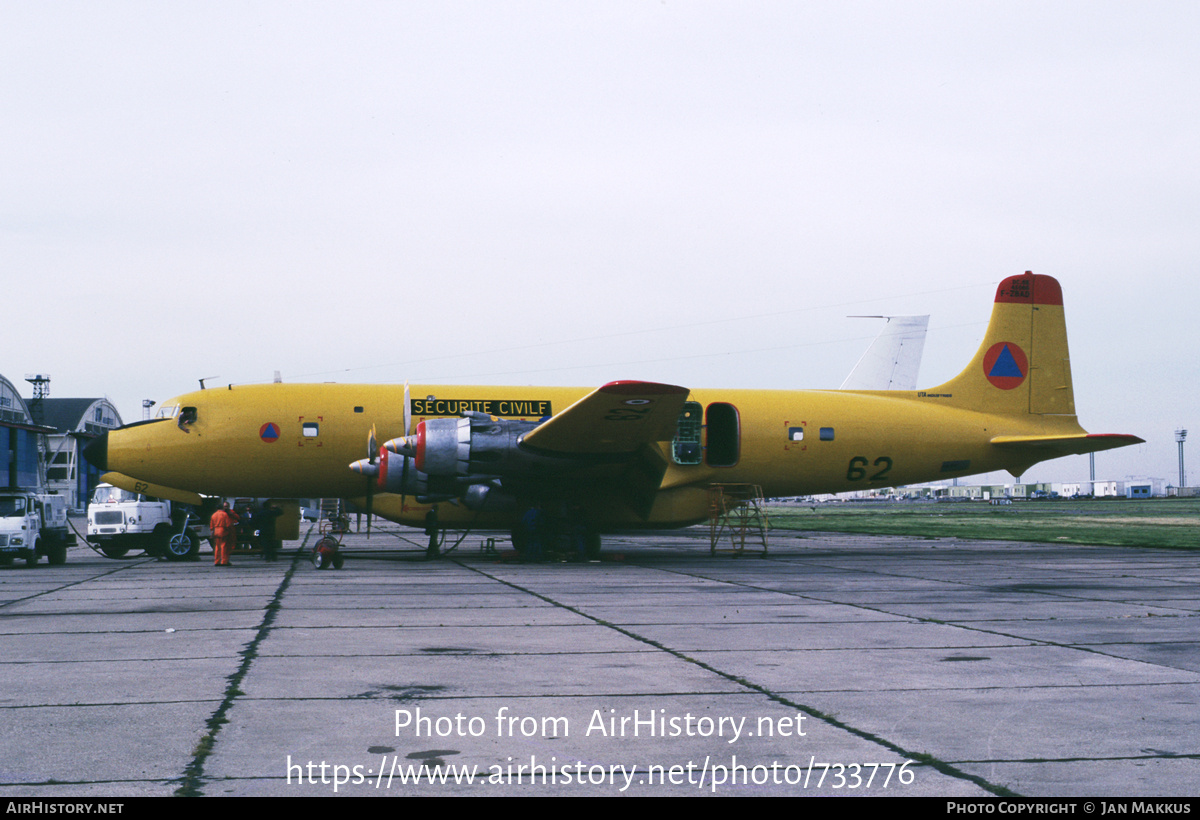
33, 524
119, 521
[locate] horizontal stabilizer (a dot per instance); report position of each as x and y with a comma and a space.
1054, 446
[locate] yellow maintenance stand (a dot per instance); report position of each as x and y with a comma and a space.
736, 511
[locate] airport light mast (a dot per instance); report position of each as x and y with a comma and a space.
41, 391
1180, 435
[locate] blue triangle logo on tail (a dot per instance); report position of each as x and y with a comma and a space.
1005, 366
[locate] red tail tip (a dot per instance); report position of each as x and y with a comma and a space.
1030, 289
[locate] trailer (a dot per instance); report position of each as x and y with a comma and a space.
33, 524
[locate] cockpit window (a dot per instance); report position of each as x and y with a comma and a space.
186, 418
167, 411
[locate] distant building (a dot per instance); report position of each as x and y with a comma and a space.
1144, 487
21, 442
74, 423
1133, 487
42, 441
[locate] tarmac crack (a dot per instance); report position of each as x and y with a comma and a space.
1089, 648
921, 758
193, 776
1093, 759
61, 587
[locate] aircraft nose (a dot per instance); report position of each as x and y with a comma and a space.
96, 452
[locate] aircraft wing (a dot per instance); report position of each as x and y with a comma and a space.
613, 421
615, 431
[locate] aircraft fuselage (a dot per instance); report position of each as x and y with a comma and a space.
297, 440
627, 454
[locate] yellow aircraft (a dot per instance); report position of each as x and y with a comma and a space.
625, 455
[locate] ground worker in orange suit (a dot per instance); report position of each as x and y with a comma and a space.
224, 529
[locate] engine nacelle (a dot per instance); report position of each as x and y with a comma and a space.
398, 474
479, 497
475, 445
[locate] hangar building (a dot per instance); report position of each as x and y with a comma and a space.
21, 441
75, 422
42, 441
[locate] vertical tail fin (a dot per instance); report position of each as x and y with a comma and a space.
1022, 367
894, 357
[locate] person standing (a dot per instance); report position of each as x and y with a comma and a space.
431, 529
224, 529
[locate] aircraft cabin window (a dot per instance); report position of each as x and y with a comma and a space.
826, 434
311, 429
795, 434
685, 448
723, 437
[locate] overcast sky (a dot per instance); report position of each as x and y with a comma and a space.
569, 193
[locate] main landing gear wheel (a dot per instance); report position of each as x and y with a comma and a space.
592, 545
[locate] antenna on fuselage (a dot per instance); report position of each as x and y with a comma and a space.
206, 378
